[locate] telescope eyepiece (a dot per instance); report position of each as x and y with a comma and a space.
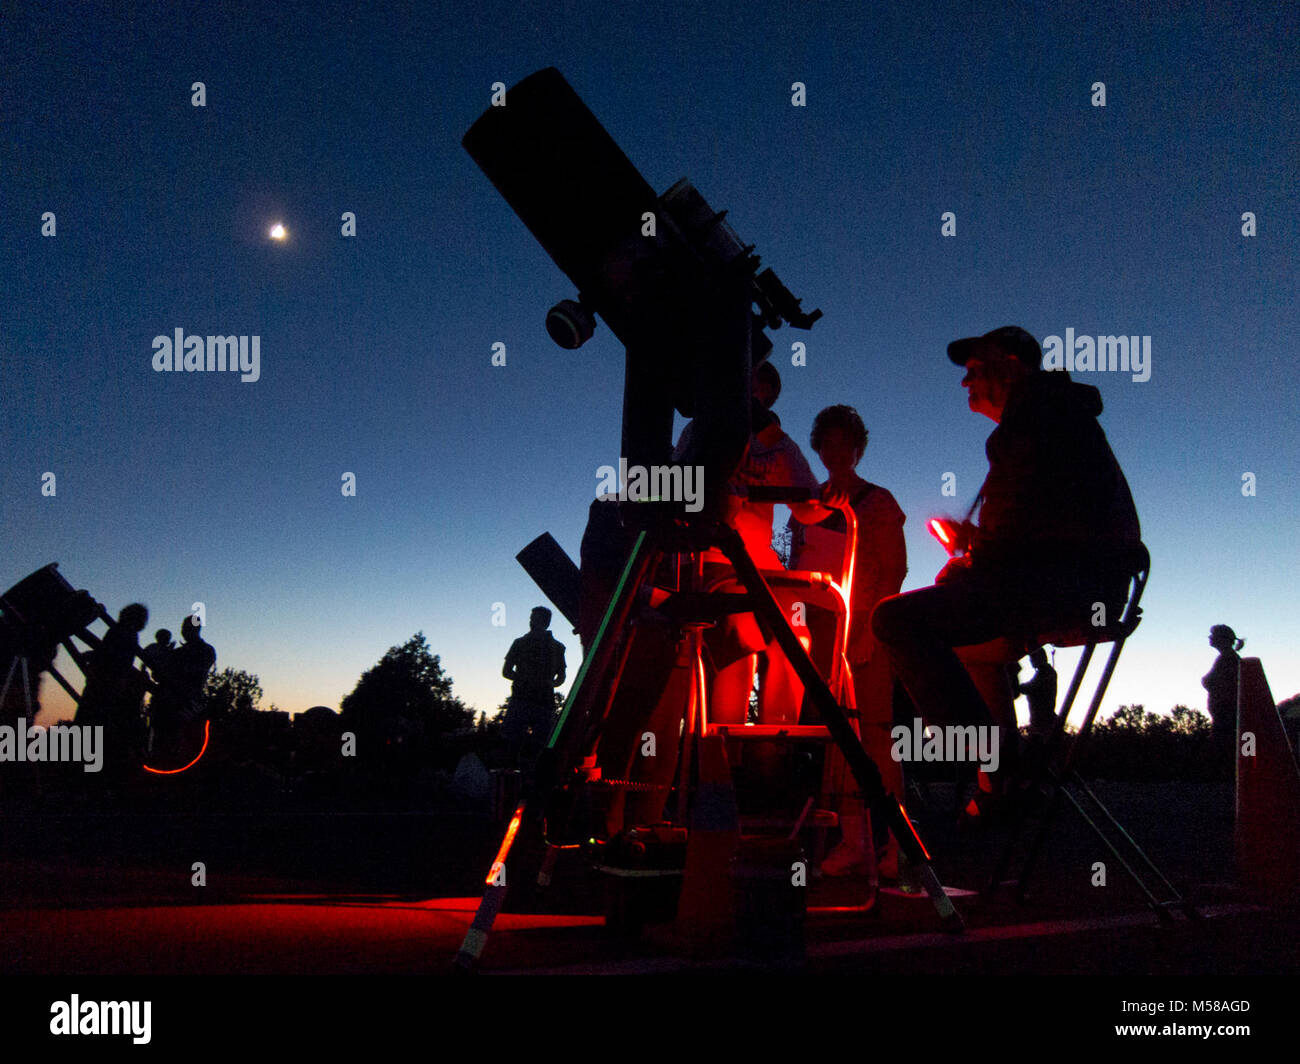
570, 324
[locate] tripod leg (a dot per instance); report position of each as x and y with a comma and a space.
19, 662
573, 728
565, 737
9, 677
76, 698
860, 763
1040, 837
1161, 908
471, 948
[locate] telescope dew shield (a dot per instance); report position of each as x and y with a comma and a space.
562, 173
45, 606
554, 572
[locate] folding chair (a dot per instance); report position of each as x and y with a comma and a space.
1064, 782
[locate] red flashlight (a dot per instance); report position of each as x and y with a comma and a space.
945, 532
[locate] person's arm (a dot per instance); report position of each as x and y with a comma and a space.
559, 663
512, 662
879, 565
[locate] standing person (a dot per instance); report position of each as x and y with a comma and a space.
736, 642
114, 692
188, 668
1220, 684
1040, 692
535, 666
1055, 534
156, 653
180, 712
880, 562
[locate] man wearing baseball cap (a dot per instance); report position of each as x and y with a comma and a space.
1055, 518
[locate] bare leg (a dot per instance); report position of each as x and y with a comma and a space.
873, 691
989, 672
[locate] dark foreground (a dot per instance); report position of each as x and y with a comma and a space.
92, 891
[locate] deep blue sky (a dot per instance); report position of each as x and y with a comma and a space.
375, 351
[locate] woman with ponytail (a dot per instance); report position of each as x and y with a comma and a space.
1221, 685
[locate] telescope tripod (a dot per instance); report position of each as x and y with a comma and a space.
569, 755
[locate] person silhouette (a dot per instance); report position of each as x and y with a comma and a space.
178, 710
535, 667
1220, 684
880, 563
114, 692
1056, 530
155, 654
736, 645
1040, 692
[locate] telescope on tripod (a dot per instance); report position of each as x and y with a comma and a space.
688, 300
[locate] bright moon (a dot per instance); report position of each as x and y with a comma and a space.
278, 232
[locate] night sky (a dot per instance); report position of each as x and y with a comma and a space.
375, 350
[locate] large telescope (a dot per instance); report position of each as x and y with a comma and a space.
667, 273
686, 297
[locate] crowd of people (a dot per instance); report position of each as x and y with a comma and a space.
172, 676
1052, 532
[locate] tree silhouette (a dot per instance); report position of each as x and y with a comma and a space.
1136, 744
230, 691
405, 700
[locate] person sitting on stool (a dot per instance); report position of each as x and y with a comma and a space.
1057, 519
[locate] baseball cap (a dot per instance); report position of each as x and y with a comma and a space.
1009, 338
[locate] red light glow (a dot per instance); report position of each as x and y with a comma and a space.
506, 843
207, 726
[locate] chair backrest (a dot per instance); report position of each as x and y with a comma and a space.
1124, 584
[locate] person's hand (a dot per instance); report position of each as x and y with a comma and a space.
833, 498
732, 505
965, 536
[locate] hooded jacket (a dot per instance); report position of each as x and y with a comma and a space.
1054, 493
